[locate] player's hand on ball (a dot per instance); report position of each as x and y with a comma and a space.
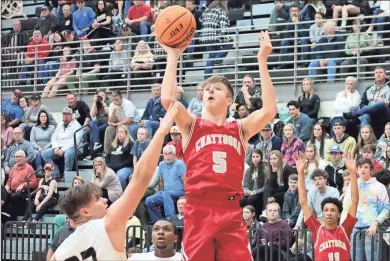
265, 46
167, 122
175, 51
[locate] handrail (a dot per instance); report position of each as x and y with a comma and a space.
29, 192
76, 147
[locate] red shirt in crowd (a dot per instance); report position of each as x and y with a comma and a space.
136, 13
43, 49
18, 176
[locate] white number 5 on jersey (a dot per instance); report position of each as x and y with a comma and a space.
219, 160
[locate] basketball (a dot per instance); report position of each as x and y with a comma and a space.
175, 26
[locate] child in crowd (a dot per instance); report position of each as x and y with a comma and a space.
176, 141
140, 144
291, 207
252, 225
368, 152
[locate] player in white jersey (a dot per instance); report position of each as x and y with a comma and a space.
100, 233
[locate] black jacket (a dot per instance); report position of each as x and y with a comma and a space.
117, 160
335, 178
311, 106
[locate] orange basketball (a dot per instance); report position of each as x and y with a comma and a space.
175, 26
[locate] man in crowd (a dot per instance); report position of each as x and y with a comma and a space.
178, 219
46, 22
140, 144
139, 19
346, 142
83, 19
250, 95
65, 22
336, 167
303, 124
81, 111
12, 109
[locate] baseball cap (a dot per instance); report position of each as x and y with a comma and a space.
44, 8
267, 127
67, 110
338, 123
18, 93
48, 166
35, 97
174, 130
336, 148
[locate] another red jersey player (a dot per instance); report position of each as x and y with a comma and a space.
331, 241
214, 151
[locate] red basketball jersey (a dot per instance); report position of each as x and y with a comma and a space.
331, 245
214, 156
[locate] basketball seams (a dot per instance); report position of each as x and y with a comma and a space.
187, 29
166, 29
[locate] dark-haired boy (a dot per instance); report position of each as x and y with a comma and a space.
368, 152
291, 207
302, 123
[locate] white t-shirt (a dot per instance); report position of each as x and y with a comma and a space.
151, 257
127, 109
91, 239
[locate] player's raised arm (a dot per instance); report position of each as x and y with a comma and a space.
300, 162
122, 209
350, 163
252, 124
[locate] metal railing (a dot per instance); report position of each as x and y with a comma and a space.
241, 60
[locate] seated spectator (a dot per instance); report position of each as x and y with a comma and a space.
347, 182
16, 186
336, 168
243, 111
190, 5
89, 68
366, 137
345, 9
106, 180
62, 145
142, 61
53, 60
180, 96
46, 22
291, 145
65, 21
357, 43
196, 104
120, 112
291, 207
176, 141
313, 162
46, 197
139, 18
276, 183
254, 181
63, 233
269, 235
281, 11
23, 103
159, 54
99, 112
346, 101
299, 24
83, 19
28, 64
20, 144
42, 133
383, 142
320, 140
329, 48
249, 94
309, 102
140, 144
302, 123
118, 64
12, 110
119, 157
317, 31
178, 219
102, 23
378, 23
368, 152
252, 225
67, 68
171, 172
346, 142
312, 8
80, 109
6, 130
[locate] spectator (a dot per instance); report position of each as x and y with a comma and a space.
90, 67
23, 103
142, 62
357, 45
57, 44
34, 56
243, 111
368, 152
119, 157
299, 24
336, 168
277, 178
178, 219
249, 94
118, 64
83, 19
373, 209
180, 96
63, 233
309, 102
42, 133
140, 144
190, 5
378, 23
196, 104
67, 68
12, 110
254, 181
164, 238
159, 54
171, 173
320, 140
345, 9
366, 137
99, 111
120, 112
46, 23
329, 49
65, 21
139, 18
176, 141
347, 182
317, 31
252, 225
6, 130
346, 142
46, 197
62, 145
291, 145
312, 8
20, 144
281, 11
106, 180
383, 142
313, 162
302, 123
215, 17
291, 207
102, 23
80, 109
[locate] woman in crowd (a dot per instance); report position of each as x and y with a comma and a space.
243, 111
317, 31
313, 162
309, 102
195, 107
52, 65
6, 130
254, 181
383, 142
105, 178
42, 132
66, 69
119, 157
118, 63
180, 96
102, 24
312, 8
320, 139
99, 112
23, 102
47, 195
142, 61
344, 9
366, 137
77, 181
252, 225
291, 145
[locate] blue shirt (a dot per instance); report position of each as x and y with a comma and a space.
12, 110
171, 174
83, 18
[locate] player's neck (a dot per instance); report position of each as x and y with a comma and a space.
164, 253
218, 120
331, 226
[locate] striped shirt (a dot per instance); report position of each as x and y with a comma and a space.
214, 21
